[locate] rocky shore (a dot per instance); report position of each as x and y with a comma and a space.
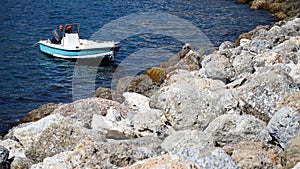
237, 107
281, 9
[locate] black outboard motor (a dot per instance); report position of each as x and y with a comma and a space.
56, 36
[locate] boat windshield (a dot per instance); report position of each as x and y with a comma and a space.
71, 28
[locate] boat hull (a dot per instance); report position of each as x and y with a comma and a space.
58, 51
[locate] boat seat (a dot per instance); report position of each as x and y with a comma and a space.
71, 40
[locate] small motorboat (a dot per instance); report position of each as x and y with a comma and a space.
66, 44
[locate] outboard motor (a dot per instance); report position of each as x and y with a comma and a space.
56, 36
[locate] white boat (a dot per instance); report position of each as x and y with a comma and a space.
67, 44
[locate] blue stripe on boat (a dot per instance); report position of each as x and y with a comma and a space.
51, 51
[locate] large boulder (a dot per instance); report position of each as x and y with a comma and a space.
28, 133
261, 92
110, 154
232, 128
193, 102
85, 109
63, 135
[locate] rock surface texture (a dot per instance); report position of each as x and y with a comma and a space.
236, 107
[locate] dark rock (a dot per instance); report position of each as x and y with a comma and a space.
141, 84
4, 161
39, 113
106, 93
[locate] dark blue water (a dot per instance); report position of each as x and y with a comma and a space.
30, 78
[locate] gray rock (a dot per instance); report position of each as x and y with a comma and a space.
289, 50
292, 27
243, 64
181, 140
197, 146
209, 157
263, 90
231, 128
260, 45
218, 67
295, 73
226, 45
191, 61
277, 34
284, 125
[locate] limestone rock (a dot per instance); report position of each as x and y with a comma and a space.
63, 135
110, 154
231, 128
284, 125
191, 104
85, 108
291, 155
254, 155
39, 113
28, 133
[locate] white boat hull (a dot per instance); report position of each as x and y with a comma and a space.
86, 49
